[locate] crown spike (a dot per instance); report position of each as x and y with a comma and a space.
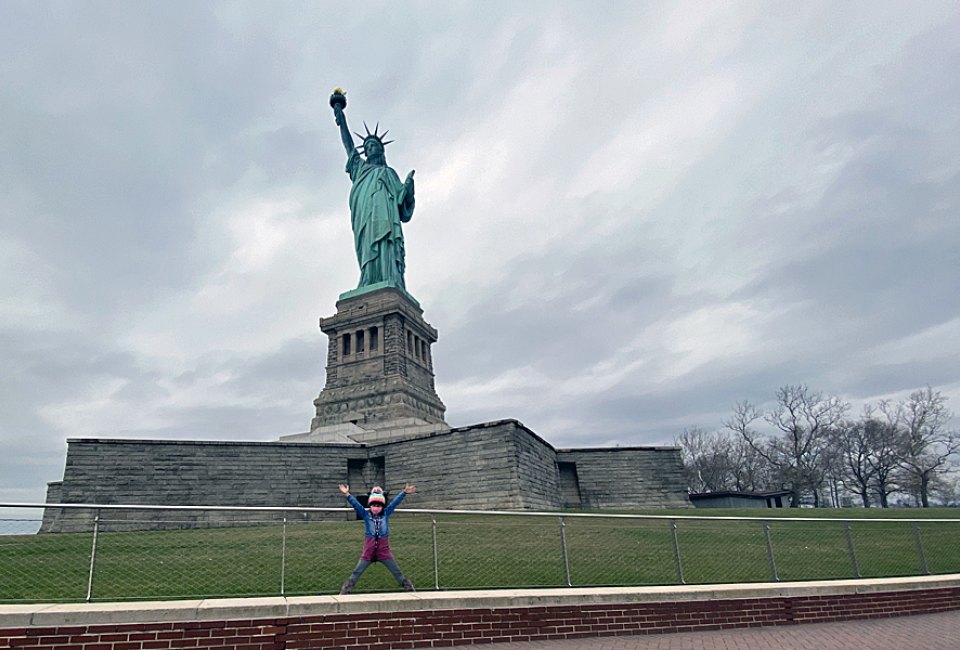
358, 135
367, 128
387, 142
377, 128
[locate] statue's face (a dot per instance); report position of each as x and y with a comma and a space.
372, 147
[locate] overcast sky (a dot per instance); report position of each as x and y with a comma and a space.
630, 215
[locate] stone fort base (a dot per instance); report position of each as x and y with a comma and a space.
498, 465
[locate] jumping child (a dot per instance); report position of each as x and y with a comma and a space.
376, 543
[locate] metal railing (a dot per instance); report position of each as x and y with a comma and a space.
115, 552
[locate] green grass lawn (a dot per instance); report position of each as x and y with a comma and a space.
475, 551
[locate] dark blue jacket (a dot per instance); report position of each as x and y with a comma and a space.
370, 522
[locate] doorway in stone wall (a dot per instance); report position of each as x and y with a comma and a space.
363, 474
569, 485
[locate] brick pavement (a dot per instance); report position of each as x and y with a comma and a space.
925, 631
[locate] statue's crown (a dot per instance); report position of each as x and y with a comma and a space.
373, 136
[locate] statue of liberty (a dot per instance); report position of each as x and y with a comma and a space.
379, 202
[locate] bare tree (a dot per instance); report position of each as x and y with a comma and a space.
716, 461
852, 448
880, 427
945, 489
706, 459
803, 419
756, 445
926, 445
751, 471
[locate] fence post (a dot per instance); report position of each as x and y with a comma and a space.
563, 546
676, 552
920, 553
853, 555
283, 557
436, 564
93, 555
773, 563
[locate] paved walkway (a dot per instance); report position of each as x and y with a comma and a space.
924, 632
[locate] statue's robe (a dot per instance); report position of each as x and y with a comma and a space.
378, 204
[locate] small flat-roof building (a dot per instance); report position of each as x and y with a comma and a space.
740, 499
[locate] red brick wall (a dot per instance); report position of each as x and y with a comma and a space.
445, 628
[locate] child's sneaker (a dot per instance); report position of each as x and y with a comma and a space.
348, 587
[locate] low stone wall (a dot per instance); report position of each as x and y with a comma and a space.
421, 620
629, 477
170, 472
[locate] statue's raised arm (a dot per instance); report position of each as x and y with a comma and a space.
338, 101
379, 203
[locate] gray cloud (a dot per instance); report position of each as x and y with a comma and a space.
627, 219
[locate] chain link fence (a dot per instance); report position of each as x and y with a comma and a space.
139, 552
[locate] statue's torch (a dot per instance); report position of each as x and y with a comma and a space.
338, 98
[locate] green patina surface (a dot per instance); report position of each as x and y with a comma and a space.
353, 293
379, 203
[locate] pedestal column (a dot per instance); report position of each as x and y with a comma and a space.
379, 362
